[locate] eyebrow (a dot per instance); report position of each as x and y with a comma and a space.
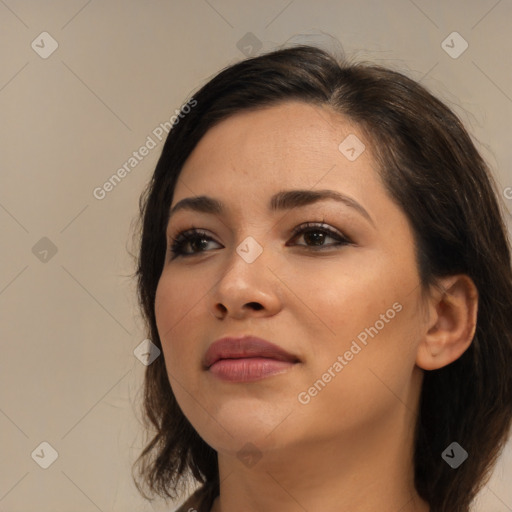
284, 200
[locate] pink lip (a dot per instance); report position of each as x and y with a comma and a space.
246, 358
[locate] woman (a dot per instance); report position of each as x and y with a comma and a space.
325, 268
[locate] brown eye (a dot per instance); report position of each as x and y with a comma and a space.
315, 234
196, 239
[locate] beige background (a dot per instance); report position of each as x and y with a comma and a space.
69, 320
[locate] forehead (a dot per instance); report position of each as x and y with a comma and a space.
291, 144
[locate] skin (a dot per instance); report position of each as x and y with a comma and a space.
350, 448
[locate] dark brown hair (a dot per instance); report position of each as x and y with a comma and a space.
433, 171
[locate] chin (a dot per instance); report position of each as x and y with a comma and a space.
236, 422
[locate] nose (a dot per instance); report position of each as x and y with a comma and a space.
246, 288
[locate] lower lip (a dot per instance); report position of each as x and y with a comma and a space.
248, 369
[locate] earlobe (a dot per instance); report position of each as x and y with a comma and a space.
451, 323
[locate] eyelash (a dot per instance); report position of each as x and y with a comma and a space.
183, 237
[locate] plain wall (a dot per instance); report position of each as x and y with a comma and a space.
69, 320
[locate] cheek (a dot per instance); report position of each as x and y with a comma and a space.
368, 317
341, 299
179, 306
351, 384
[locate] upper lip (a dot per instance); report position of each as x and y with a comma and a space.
244, 346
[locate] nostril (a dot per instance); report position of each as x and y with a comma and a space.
256, 305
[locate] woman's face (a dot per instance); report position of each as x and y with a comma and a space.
349, 313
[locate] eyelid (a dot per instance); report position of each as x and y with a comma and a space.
184, 236
321, 226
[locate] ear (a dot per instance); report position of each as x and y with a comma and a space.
451, 322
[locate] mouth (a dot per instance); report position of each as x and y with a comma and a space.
246, 359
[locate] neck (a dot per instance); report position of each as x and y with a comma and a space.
371, 469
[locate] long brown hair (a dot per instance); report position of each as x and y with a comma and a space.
433, 171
